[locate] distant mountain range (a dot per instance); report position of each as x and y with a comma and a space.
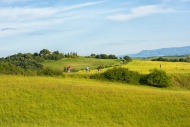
163, 52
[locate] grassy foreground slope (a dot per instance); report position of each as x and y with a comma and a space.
45, 101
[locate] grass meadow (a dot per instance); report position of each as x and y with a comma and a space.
81, 63
77, 102
170, 67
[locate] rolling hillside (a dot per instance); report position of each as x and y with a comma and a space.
29, 101
46, 101
81, 63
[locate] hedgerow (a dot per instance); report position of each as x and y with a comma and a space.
157, 78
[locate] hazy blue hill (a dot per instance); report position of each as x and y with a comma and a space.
163, 52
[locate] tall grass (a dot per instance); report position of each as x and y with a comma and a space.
181, 80
45, 101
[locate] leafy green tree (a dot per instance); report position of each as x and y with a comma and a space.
161, 59
112, 57
44, 52
35, 54
127, 59
104, 56
93, 55
181, 60
56, 52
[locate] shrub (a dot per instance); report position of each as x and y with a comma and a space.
119, 74
143, 79
158, 78
50, 72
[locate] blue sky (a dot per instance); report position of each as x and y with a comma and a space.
93, 26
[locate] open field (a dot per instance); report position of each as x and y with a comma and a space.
170, 67
81, 63
47, 101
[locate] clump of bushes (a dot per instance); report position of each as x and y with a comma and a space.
10, 69
50, 72
157, 78
119, 74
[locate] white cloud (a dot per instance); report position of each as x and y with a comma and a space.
26, 19
29, 19
16, 14
140, 12
20, 13
13, 1
82, 5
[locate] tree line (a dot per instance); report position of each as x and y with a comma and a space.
103, 56
187, 59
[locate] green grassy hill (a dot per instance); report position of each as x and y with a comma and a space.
81, 63
46, 101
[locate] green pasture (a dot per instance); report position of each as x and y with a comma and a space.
68, 102
170, 67
81, 63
